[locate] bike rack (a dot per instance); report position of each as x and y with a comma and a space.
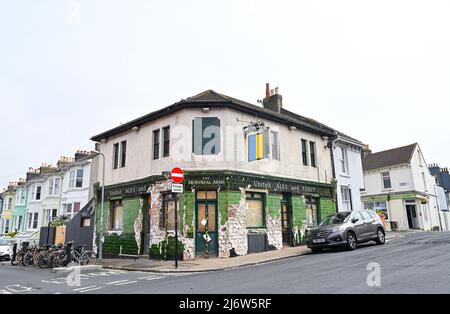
128, 255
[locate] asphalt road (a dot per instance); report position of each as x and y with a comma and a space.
416, 263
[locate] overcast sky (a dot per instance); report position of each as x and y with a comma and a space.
376, 70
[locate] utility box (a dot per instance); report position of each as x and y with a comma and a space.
60, 236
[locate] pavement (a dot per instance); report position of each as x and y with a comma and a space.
412, 263
214, 264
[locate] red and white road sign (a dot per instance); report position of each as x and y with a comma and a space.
177, 175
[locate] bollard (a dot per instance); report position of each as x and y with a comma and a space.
68, 253
14, 253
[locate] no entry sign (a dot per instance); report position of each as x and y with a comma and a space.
177, 175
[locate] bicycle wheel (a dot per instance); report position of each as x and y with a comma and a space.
84, 258
27, 259
17, 259
40, 260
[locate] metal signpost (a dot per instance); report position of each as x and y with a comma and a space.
177, 176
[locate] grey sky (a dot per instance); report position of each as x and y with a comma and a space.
376, 70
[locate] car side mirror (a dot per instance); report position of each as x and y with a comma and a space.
355, 220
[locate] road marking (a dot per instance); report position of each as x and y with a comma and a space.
57, 281
19, 289
150, 278
126, 283
5, 292
92, 289
78, 289
114, 282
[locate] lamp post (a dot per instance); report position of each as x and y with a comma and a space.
100, 244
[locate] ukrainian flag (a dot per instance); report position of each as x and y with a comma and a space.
256, 146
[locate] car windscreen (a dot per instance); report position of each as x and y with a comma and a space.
337, 218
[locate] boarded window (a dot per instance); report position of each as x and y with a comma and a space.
254, 210
206, 136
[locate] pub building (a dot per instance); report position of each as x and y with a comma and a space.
257, 178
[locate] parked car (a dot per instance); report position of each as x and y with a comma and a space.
5, 249
347, 229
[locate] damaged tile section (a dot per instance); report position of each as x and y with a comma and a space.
158, 235
233, 234
274, 233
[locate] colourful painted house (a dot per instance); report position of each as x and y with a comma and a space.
18, 217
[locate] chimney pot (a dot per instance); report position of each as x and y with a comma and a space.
267, 90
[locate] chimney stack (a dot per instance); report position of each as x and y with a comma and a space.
32, 173
81, 154
273, 100
366, 151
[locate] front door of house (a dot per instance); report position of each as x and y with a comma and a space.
286, 220
206, 235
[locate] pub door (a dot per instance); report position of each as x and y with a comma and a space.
286, 224
206, 235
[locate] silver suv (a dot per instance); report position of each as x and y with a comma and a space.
347, 229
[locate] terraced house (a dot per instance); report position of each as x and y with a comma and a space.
20, 206
257, 177
8, 207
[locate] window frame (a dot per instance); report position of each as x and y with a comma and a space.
383, 181
123, 154
156, 134
116, 155
112, 218
204, 141
164, 217
38, 187
344, 161
262, 199
313, 154
348, 201
77, 178
275, 135
304, 144
165, 141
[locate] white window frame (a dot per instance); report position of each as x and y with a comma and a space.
343, 160
382, 180
346, 197
277, 147
72, 179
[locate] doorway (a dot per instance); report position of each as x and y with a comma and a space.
206, 235
286, 220
411, 212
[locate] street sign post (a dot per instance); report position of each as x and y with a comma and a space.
177, 176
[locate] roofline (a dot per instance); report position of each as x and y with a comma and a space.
347, 139
184, 104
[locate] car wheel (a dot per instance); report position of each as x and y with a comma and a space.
351, 241
316, 250
381, 237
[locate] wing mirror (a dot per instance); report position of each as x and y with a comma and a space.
355, 220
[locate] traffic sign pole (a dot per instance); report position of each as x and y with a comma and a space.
177, 176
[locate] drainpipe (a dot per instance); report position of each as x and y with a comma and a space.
330, 146
438, 206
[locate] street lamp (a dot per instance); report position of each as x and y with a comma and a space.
100, 244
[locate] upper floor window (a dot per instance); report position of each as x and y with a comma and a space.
54, 186
10, 203
275, 145
312, 151
79, 181
206, 136
386, 180
156, 136
119, 154
38, 192
305, 152
123, 153
166, 141
116, 156
343, 160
